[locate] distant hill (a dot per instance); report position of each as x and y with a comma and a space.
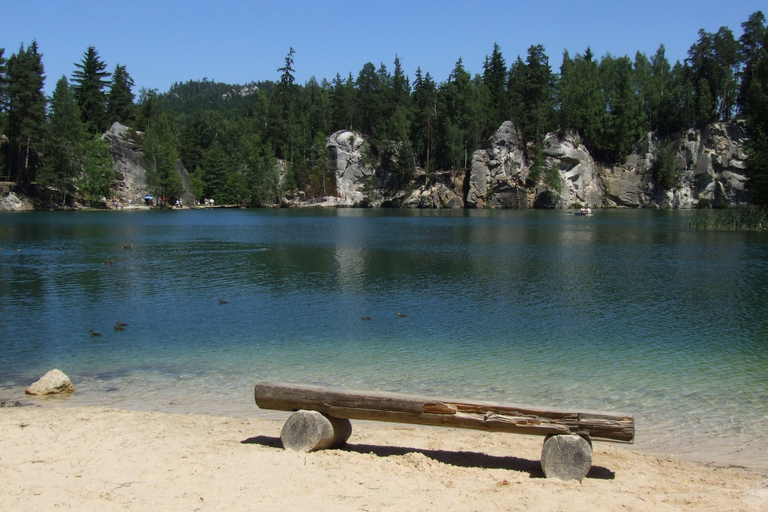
231, 101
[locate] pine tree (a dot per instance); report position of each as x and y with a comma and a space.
753, 104
64, 149
425, 112
159, 159
282, 113
495, 82
26, 111
89, 82
120, 106
97, 170
3, 84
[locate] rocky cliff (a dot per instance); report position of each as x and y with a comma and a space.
130, 181
706, 165
703, 165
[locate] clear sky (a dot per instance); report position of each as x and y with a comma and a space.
237, 41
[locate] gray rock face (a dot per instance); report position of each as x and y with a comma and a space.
498, 177
498, 171
53, 382
710, 165
442, 191
10, 202
578, 172
130, 176
346, 149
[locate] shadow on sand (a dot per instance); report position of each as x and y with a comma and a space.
464, 459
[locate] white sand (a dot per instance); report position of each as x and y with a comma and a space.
91, 458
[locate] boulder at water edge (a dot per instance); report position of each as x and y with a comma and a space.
53, 382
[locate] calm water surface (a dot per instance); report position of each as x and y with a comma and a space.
625, 311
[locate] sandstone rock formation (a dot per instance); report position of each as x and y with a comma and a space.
53, 382
346, 149
498, 171
708, 165
578, 173
441, 190
130, 180
10, 202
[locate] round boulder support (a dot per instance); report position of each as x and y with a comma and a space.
306, 431
567, 457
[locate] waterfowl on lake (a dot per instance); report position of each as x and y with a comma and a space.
401, 315
120, 323
119, 328
221, 301
366, 318
127, 245
95, 333
17, 250
107, 262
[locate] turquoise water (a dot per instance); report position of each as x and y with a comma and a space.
625, 311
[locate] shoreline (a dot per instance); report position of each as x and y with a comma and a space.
99, 458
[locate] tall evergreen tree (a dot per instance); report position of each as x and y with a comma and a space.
26, 111
63, 153
282, 113
3, 85
89, 81
159, 159
342, 103
495, 81
97, 170
459, 115
713, 62
120, 106
753, 104
425, 112
581, 98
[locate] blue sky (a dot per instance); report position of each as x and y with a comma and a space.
162, 42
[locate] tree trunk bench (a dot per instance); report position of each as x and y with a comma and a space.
321, 420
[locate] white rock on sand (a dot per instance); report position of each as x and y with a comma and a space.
52, 383
99, 459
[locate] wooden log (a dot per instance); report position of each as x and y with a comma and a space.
306, 431
401, 408
566, 457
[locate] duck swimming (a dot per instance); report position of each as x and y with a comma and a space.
366, 318
401, 315
95, 333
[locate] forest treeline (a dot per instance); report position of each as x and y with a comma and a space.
230, 137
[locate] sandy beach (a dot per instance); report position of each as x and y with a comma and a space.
92, 458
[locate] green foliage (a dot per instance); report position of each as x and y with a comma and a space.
754, 104
97, 170
750, 218
664, 168
64, 148
89, 82
536, 170
159, 159
26, 105
552, 178
120, 105
233, 135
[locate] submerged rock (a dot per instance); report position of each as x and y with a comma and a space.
52, 383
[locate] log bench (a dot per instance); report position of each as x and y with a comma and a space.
321, 417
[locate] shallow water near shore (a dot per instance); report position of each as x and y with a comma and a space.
626, 311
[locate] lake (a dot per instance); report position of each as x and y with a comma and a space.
626, 311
